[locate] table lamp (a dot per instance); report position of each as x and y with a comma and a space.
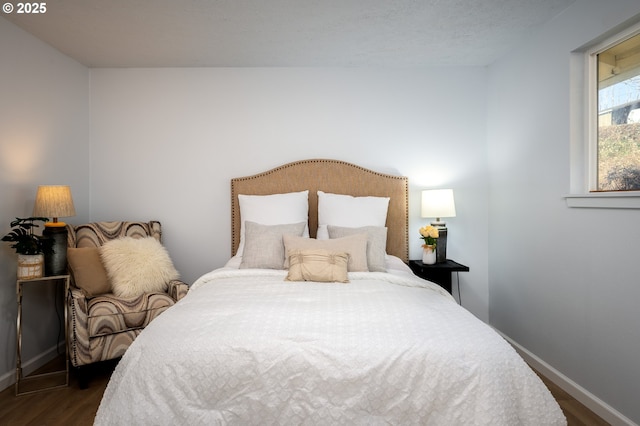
439, 203
55, 201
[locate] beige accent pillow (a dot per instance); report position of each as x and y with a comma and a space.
263, 246
88, 272
318, 265
137, 265
376, 243
354, 245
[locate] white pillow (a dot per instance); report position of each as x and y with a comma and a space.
350, 212
275, 209
137, 265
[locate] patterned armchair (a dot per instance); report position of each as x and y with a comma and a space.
102, 327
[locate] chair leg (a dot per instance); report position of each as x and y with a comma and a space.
82, 374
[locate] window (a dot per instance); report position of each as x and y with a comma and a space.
615, 114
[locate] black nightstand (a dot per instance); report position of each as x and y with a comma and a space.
439, 273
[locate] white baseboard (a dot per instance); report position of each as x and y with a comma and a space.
589, 400
28, 367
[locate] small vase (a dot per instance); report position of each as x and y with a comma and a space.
429, 255
30, 266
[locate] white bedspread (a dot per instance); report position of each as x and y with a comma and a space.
245, 347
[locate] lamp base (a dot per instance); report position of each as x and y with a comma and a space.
441, 247
56, 263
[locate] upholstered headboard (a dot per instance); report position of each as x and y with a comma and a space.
332, 176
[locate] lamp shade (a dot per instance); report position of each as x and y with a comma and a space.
438, 203
54, 201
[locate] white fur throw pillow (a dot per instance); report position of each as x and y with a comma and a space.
137, 265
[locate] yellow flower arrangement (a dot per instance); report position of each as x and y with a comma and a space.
429, 234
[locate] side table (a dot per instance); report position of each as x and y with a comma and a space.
20, 379
439, 273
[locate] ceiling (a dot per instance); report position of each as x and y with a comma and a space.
287, 33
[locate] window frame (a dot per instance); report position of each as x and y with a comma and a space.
584, 128
592, 82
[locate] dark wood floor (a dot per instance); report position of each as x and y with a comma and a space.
74, 406
67, 406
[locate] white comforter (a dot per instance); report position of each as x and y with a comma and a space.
245, 347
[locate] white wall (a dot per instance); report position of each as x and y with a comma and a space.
44, 130
166, 142
563, 282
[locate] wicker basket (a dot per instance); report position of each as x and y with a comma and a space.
30, 266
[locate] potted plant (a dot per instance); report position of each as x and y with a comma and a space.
30, 247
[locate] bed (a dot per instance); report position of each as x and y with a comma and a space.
317, 319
